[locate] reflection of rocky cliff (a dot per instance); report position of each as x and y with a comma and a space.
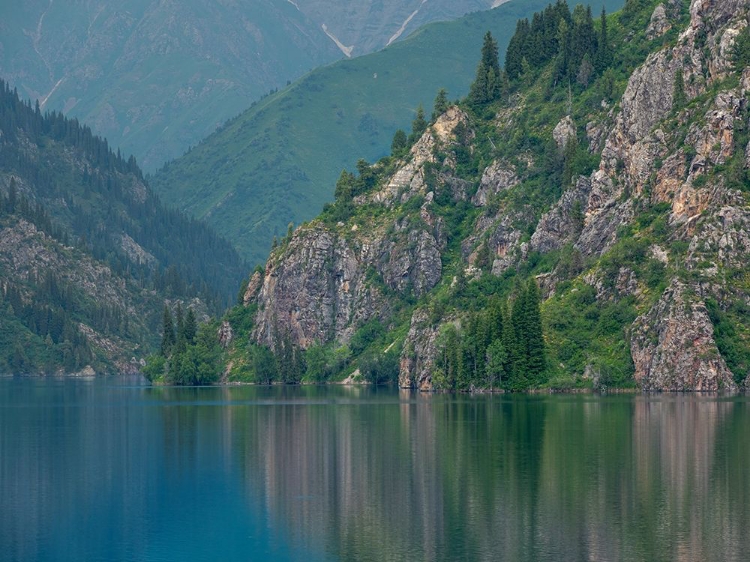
434, 478
359, 474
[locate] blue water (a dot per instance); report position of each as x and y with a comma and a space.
112, 469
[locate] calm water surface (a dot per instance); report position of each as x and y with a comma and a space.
111, 469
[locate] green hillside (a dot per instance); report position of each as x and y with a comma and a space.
581, 223
88, 254
278, 162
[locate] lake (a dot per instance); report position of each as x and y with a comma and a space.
113, 469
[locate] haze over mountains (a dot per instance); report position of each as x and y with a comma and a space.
278, 161
155, 77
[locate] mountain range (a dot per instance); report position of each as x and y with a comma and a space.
155, 77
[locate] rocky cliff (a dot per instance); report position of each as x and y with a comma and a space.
642, 258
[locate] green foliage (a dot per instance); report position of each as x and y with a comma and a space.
740, 54
105, 198
732, 335
278, 161
399, 145
418, 125
486, 87
500, 347
440, 105
380, 367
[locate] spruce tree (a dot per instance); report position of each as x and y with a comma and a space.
419, 125
168, 338
190, 327
486, 86
441, 104
398, 145
535, 356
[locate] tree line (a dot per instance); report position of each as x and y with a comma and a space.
105, 197
501, 347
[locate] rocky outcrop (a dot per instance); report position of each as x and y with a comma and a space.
253, 288
659, 24
225, 334
564, 131
497, 177
564, 222
409, 179
316, 293
673, 346
420, 351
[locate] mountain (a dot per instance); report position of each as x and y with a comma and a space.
88, 254
155, 77
583, 224
277, 162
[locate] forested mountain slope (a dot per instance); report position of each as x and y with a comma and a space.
88, 254
277, 162
156, 77
581, 222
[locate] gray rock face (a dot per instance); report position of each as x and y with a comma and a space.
225, 334
564, 131
564, 222
673, 346
420, 350
715, 13
316, 292
496, 178
320, 288
659, 24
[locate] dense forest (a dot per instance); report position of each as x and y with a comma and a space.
75, 207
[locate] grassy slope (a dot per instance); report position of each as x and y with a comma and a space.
277, 162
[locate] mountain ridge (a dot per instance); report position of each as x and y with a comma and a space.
614, 214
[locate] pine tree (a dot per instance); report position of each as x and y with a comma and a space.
398, 146
535, 356
168, 338
486, 87
419, 125
190, 327
441, 104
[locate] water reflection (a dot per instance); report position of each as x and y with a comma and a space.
91, 470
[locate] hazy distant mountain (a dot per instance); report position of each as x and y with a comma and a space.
278, 161
156, 76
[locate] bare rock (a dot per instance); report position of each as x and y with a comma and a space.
564, 222
659, 24
420, 351
496, 178
596, 133
409, 179
564, 131
253, 288
673, 346
225, 334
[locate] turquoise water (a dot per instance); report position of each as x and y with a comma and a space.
111, 469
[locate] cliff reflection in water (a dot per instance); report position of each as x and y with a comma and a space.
90, 471
520, 478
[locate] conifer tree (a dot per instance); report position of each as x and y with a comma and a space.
534, 336
398, 146
190, 327
168, 338
486, 86
419, 125
603, 55
441, 104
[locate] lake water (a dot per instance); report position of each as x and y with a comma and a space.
112, 469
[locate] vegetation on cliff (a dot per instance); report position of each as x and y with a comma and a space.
622, 198
87, 250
